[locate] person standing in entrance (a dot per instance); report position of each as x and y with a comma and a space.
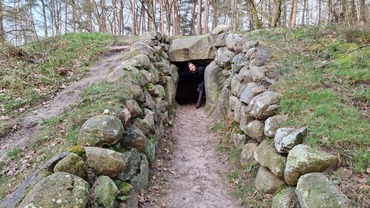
198, 72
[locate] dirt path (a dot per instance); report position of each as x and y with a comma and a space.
197, 176
28, 126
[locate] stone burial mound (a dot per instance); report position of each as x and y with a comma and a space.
110, 163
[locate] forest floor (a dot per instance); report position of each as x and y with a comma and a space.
189, 172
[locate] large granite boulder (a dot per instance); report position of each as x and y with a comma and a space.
237, 107
224, 57
235, 42
239, 140
141, 179
260, 57
247, 155
105, 162
141, 61
58, 190
133, 159
237, 62
220, 29
237, 86
245, 118
170, 89
126, 195
269, 158
147, 124
213, 80
134, 138
72, 164
264, 105
134, 108
267, 182
105, 192
273, 123
150, 151
157, 91
222, 105
316, 190
254, 130
303, 159
286, 138
140, 47
251, 90
192, 48
285, 198
220, 40
100, 130
13, 199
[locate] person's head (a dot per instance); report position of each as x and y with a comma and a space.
192, 67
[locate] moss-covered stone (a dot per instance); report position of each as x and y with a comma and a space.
105, 162
99, 130
77, 149
105, 192
73, 164
286, 198
58, 190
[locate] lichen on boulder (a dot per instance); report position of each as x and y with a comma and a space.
58, 190
100, 130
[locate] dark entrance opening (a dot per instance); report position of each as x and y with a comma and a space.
186, 92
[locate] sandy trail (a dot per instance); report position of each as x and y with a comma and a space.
197, 175
29, 125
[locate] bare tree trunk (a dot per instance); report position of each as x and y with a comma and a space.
2, 32
330, 8
362, 12
44, 17
114, 12
215, 14
346, 12
168, 8
199, 23
353, 12
66, 16
32, 20
149, 10
193, 16
59, 15
154, 15
121, 20
293, 14
177, 18
206, 16
255, 22
133, 15
103, 16
162, 15
142, 21
276, 13
304, 12
73, 15
319, 16
52, 17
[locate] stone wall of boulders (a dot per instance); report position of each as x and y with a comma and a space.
239, 92
110, 163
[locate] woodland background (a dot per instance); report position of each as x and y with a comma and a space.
23, 21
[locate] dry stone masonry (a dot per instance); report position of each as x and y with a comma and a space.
110, 164
244, 98
237, 91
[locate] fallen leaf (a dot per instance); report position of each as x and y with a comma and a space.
368, 170
362, 179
